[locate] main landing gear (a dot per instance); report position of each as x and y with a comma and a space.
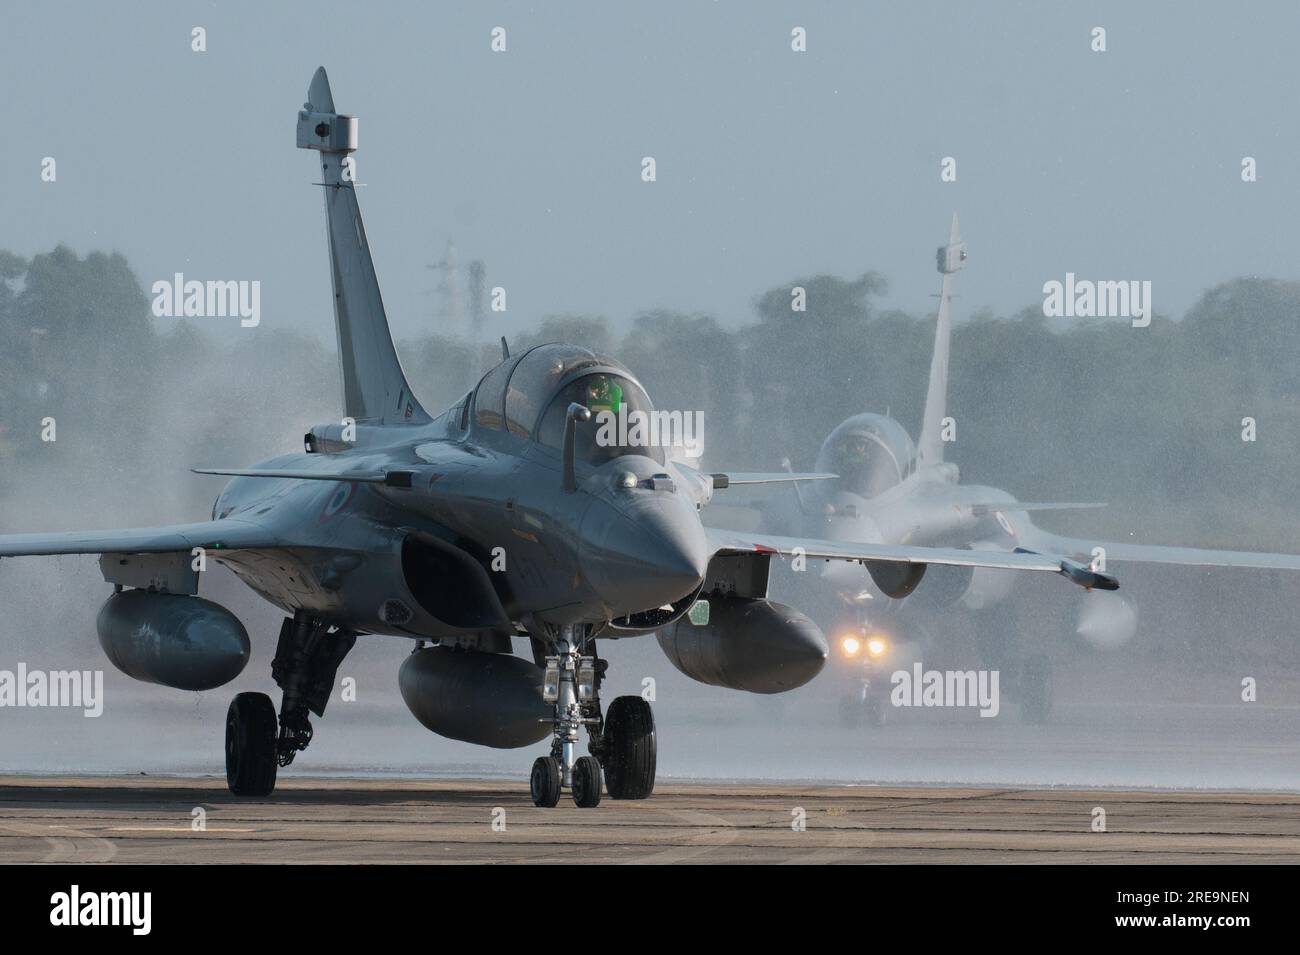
307, 659
622, 743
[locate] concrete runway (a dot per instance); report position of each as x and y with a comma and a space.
312, 820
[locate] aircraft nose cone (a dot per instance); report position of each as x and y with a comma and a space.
643, 553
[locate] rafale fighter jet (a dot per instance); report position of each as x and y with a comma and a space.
504, 517
893, 491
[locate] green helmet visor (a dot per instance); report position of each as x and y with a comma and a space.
604, 394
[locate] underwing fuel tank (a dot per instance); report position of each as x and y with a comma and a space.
490, 699
180, 641
748, 644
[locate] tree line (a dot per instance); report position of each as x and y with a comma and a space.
1150, 420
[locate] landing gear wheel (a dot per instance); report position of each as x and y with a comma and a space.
545, 782
586, 782
630, 748
1036, 690
251, 731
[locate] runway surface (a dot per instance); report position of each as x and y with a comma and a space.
312, 820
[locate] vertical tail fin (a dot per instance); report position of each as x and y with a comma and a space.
375, 389
951, 257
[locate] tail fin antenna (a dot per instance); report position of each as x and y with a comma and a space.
375, 389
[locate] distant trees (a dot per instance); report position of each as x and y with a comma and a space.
1149, 420
76, 335
688, 362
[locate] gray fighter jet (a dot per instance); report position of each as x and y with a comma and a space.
890, 490
506, 516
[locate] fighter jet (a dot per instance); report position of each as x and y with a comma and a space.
510, 515
890, 490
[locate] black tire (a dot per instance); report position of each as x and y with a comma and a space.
251, 731
586, 782
631, 750
545, 782
1036, 690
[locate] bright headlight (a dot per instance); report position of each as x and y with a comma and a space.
850, 646
877, 646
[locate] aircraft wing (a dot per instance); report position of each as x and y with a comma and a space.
1153, 554
736, 478
228, 534
390, 477
738, 542
982, 509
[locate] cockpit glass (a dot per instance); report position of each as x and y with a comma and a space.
620, 423
534, 380
489, 397
870, 454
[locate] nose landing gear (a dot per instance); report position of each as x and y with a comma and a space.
622, 744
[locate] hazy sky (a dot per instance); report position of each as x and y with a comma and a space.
771, 163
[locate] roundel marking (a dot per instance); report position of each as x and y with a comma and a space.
338, 500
